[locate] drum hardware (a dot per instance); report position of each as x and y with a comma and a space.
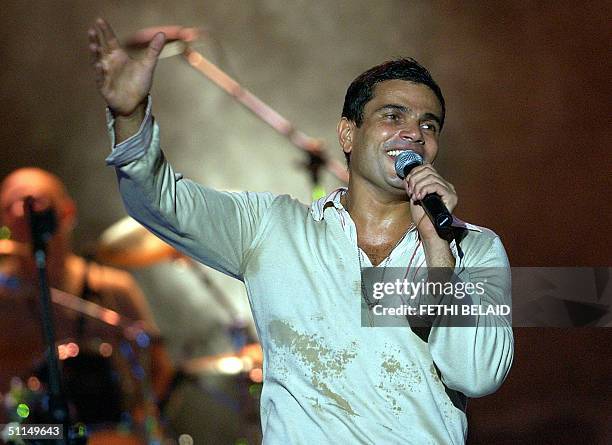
84, 362
180, 40
127, 243
247, 359
224, 389
33, 399
229, 382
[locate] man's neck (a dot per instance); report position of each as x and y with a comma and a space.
375, 212
381, 220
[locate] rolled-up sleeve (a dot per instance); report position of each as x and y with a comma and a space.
216, 228
476, 359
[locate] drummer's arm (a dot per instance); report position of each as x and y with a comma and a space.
161, 369
216, 228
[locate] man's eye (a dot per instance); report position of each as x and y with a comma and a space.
429, 127
391, 116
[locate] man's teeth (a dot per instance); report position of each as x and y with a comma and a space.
395, 152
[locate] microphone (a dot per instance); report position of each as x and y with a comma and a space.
432, 203
43, 223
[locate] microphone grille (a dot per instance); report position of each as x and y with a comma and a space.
406, 161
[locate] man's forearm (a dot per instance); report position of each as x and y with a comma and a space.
475, 358
438, 253
127, 126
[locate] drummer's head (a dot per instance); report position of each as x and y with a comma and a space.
46, 189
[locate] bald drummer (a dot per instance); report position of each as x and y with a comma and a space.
21, 344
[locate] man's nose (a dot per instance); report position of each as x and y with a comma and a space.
411, 131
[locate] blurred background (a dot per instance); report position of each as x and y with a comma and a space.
526, 139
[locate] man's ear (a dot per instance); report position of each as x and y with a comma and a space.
67, 215
345, 130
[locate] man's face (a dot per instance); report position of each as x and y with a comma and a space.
402, 115
16, 188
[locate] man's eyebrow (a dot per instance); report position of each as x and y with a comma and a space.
401, 108
433, 117
404, 109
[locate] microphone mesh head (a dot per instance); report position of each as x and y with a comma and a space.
406, 161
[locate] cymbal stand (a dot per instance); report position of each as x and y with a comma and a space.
238, 328
312, 146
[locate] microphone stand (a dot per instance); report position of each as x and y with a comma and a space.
43, 225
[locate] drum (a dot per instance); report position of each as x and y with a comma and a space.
99, 392
215, 399
91, 382
104, 360
109, 437
104, 374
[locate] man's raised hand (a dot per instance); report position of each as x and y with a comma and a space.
123, 82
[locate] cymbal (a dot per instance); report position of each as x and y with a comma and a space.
128, 244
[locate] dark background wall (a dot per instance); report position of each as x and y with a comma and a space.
526, 142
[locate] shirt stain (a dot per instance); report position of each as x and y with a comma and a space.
434, 372
324, 363
318, 317
397, 377
447, 409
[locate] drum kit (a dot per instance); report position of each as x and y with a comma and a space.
212, 398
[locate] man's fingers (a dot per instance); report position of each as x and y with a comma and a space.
109, 35
416, 176
419, 181
429, 186
427, 182
91, 35
100, 34
94, 52
422, 168
432, 187
155, 46
99, 68
94, 40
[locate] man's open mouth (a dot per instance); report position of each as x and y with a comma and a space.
394, 153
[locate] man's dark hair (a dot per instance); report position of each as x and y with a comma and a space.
361, 90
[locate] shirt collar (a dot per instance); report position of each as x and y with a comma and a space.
318, 207
333, 199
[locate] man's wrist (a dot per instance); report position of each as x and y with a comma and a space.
128, 125
137, 113
438, 252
